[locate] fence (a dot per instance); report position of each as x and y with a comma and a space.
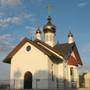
36, 83
4, 84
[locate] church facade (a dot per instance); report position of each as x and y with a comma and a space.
38, 64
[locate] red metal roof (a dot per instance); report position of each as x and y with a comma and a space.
72, 61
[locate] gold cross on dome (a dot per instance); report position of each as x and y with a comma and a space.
49, 8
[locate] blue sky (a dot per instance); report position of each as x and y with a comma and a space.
20, 18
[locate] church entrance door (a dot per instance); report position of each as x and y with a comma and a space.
28, 80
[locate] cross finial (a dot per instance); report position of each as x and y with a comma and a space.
49, 7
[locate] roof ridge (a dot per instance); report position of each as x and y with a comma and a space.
48, 46
15, 50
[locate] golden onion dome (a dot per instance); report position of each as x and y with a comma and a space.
49, 27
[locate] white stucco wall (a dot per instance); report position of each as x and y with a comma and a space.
87, 80
52, 67
76, 75
61, 75
39, 65
34, 61
50, 39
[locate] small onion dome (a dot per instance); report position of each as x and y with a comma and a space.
49, 27
70, 34
38, 31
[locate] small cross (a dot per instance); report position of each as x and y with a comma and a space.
49, 8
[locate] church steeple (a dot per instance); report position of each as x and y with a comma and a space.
49, 32
70, 38
38, 34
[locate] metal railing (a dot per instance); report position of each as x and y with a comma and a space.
36, 83
4, 84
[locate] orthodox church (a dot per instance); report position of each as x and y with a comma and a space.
44, 64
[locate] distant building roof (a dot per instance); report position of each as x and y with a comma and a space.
87, 75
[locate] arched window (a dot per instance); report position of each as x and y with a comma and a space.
72, 73
52, 71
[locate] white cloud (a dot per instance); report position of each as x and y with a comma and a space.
31, 30
82, 4
10, 20
26, 15
15, 19
10, 2
4, 42
16, 2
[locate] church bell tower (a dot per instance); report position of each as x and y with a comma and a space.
38, 34
70, 38
49, 32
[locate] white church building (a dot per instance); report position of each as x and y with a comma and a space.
44, 64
